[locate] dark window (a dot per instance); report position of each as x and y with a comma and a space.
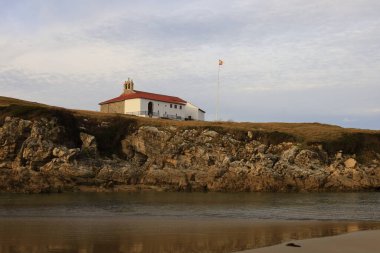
180, 107
175, 106
150, 109
171, 106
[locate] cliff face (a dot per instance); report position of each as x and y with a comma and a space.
36, 156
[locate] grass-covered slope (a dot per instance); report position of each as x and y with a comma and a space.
109, 129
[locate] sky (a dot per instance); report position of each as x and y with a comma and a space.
285, 60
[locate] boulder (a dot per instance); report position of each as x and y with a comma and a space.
210, 133
89, 145
308, 159
350, 163
66, 154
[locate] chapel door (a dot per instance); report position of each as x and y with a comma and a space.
150, 109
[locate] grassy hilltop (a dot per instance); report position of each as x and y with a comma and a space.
109, 129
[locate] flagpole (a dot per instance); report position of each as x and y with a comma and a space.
217, 95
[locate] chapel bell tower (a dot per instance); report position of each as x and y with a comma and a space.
128, 86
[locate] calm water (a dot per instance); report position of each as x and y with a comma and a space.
177, 222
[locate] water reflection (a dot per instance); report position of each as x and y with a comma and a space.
176, 222
148, 235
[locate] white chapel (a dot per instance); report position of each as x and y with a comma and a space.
146, 104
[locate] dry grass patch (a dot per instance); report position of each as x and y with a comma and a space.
365, 143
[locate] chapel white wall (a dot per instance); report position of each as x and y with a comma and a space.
192, 110
163, 108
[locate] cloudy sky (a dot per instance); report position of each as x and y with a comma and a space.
285, 60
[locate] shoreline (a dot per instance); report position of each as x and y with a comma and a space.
351, 242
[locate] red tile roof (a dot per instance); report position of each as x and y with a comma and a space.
146, 95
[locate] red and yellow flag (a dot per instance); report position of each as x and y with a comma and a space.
221, 62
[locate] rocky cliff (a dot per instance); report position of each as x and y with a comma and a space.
51, 154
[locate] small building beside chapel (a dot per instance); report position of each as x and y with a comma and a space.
146, 104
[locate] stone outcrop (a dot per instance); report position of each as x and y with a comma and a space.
34, 159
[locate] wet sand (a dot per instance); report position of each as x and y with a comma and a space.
158, 234
363, 242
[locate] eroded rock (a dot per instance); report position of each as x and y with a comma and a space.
350, 163
89, 145
35, 158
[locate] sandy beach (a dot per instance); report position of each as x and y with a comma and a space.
356, 242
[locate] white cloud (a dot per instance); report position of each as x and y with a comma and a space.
324, 54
